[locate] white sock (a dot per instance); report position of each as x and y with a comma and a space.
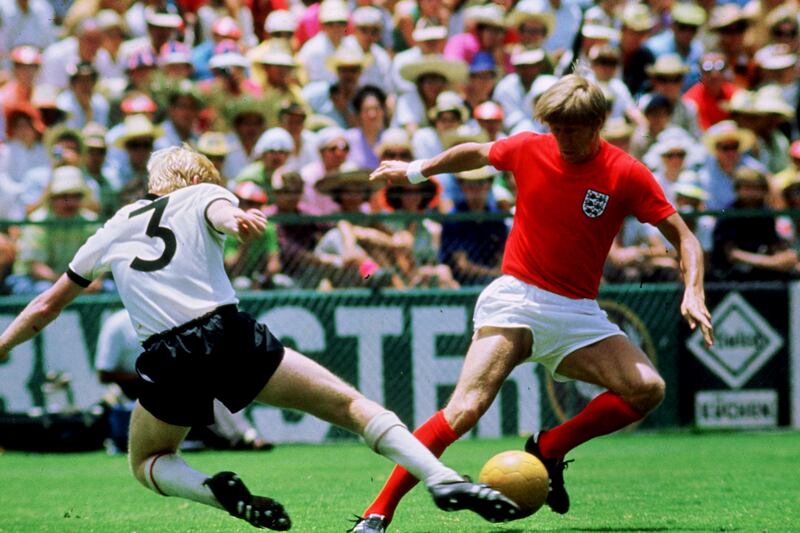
388, 436
169, 475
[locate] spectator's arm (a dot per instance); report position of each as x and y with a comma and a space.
782, 261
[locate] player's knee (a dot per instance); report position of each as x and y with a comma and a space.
649, 394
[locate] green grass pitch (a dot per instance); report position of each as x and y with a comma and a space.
678, 482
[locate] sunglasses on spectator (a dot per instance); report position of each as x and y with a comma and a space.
778, 32
713, 66
369, 30
669, 79
139, 145
533, 30
685, 27
344, 147
728, 147
282, 34
674, 155
739, 27
606, 62
397, 154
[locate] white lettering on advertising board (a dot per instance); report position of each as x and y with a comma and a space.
736, 409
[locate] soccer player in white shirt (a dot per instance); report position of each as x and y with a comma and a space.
165, 252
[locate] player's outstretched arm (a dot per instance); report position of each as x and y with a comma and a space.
38, 313
467, 156
244, 225
690, 255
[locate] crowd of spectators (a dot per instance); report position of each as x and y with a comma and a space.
295, 102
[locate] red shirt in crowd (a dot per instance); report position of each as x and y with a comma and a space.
709, 108
568, 215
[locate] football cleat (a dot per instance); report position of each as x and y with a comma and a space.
235, 498
373, 523
477, 497
557, 497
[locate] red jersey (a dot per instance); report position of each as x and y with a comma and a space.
567, 215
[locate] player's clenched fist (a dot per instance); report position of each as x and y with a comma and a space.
394, 171
250, 224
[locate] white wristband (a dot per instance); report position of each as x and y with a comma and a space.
414, 172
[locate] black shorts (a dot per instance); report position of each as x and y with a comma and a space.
225, 355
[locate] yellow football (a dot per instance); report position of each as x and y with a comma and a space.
520, 476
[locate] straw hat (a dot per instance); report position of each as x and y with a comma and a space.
333, 11
427, 30
769, 100
448, 101
66, 180
275, 53
490, 15
280, 20
94, 135
529, 57
600, 32
726, 15
454, 71
728, 130
162, 19
347, 56
244, 105
533, 11
367, 16
775, 57
348, 174
638, 17
688, 14
689, 190
616, 129
667, 64
394, 138
213, 143
135, 127
284, 180
463, 134
742, 101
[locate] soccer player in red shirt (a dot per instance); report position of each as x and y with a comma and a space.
574, 191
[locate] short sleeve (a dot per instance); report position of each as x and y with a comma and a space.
504, 154
649, 204
88, 262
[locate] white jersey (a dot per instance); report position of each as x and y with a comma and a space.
165, 257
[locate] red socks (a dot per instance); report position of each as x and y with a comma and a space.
605, 414
436, 434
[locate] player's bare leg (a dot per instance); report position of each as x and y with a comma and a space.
492, 356
300, 383
634, 389
154, 460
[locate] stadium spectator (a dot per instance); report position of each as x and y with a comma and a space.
666, 76
488, 36
690, 200
252, 264
333, 99
617, 132
489, 116
473, 249
605, 60
44, 251
114, 32
748, 248
276, 66
780, 181
117, 350
81, 102
448, 113
682, 38
772, 111
369, 104
292, 118
420, 267
727, 145
368, 25
129, 174
728, 23
657, 113
84, 46
27, 22
222, 28
23, 148
183, 111
214, 10
333, 150
229, 69
94, 171
512, 90
636, 59
25, 61
509, 312
533, 22
670, 155
366, 254
566, 28
481, 80
246, 118
220, 353
213, 145
162, 27
431, 75
140, 69
713, 92
272, 149
429, 38
175, 61
313, 55
591, 35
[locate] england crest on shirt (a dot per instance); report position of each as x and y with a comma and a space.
594, 203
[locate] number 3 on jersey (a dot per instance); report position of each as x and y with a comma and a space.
158, 232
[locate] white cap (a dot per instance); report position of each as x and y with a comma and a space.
528, 57
426, 31
326, 135
333, 11
280, 20
274, 139
367, 16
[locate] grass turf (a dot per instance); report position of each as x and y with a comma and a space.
622, 483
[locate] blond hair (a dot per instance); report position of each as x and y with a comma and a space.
572, 100
176, 167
